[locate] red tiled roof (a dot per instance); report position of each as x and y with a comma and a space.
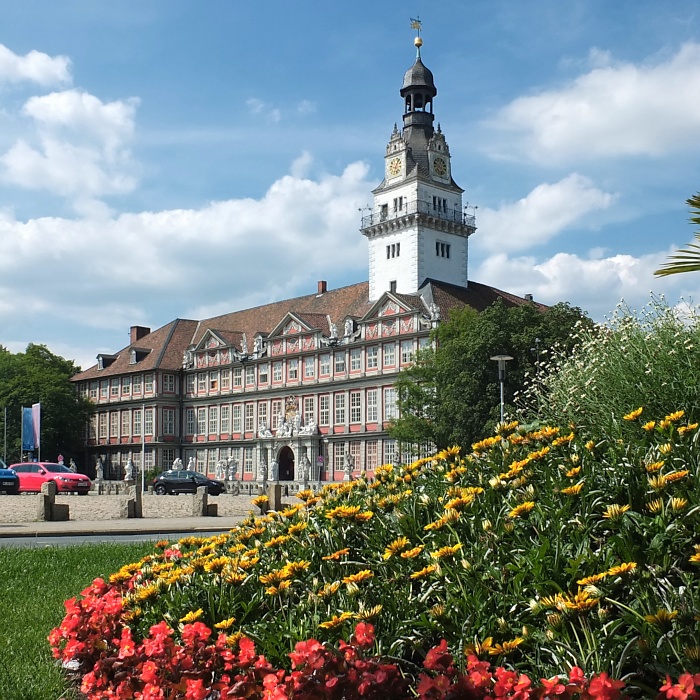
336, 303
166, 344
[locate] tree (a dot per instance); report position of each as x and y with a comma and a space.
451, 395
39, 376
688, 259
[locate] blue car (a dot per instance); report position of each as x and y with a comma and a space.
9, 481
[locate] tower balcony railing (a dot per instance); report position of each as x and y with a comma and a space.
466, 216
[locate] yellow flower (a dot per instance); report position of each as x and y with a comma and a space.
120, 577
349, 513
655, 506
507, 647
573, 472
359, 577
553, 601
305, 495
216, 565
275, 576
625, 568
595, 578
573, 490
677, 476
678, 504
615, 511
291, 511
447, 551
296, 528
293, 568
695, 558
658, 482
146, 592
225, 624
525, 507
479, 648
368, 613
192, 616
654, 467
677, 415
396, 546
336, 555
449, 517
329, 589
563, 440
260, 500
459, 502
633, 415
581, 602
336, 621
649, 426
692, 653
274, 590
590, 445
233, 639
666, 448
426, 571
280, 539
484, 445
662, 618
412, 553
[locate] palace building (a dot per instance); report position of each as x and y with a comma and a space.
302, 390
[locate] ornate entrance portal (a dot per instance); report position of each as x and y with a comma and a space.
286, 464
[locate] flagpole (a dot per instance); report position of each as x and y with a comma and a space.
143, 446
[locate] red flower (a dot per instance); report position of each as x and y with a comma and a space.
603, 687
552, 687
438, 658
364, 634
681, 690
246, 650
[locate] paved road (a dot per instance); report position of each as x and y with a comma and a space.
36, 541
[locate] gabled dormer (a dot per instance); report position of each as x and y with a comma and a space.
137, 355
104, 360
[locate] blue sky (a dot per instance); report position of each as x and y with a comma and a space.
184, 159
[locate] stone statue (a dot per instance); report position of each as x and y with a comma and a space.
263, 470
187, 359
434, 310
221, 470
334, 331
349, 327
232, 469
177, 464
274, 470
257, 345
296, 424
310, 429
285, 429
263, 430
191, 464
244, 346
305, 469
72, 465
99, 470
129, 470
349, 467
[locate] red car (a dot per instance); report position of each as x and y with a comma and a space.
33, 474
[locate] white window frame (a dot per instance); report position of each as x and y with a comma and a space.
339, 408
324, 409
355, 406
373, 357
225, 417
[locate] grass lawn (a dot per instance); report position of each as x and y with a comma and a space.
33, 585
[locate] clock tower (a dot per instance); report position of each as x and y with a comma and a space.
418, 228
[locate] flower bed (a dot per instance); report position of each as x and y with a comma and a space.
541, 550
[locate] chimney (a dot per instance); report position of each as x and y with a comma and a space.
528, 297
322, 287
137, 332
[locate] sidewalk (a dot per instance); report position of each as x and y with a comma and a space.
155, 526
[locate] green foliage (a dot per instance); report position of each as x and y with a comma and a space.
542, 548
650, 359
35, 582
687, 260
451, 395
39, 376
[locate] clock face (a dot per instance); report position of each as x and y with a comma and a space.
394, 167
440, 167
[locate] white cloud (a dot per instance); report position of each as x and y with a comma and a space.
544, 213
616, 109
306, 107
597, 284
117, 271
257, 106
34, 67
82, 150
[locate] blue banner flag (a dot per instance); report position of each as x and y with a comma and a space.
27, 430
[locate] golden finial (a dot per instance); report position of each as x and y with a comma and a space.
417, 25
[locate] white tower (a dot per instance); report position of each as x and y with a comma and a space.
418, 228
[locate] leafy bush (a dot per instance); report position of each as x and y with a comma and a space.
542, 548
650, 359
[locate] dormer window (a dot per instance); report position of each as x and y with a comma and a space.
136, 355
104, 361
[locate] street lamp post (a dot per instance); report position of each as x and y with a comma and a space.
502, 359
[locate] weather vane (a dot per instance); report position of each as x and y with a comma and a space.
416, 24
